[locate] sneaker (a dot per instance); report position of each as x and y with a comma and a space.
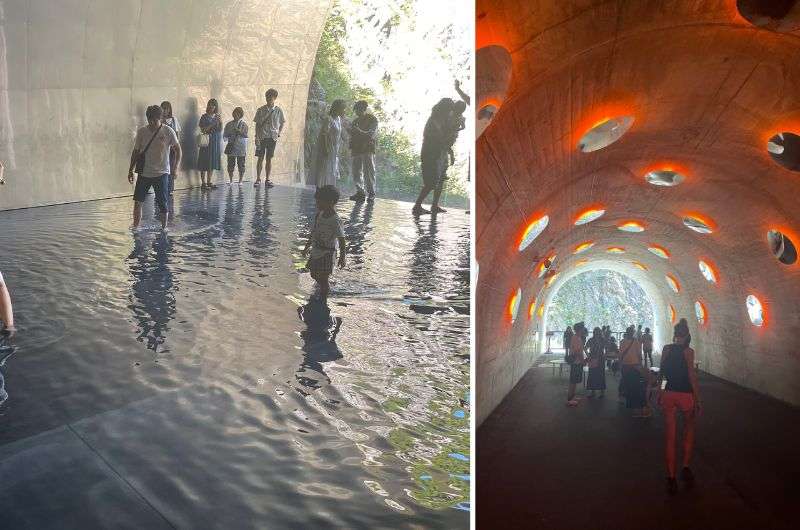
672, 486
257, 183
687, 476
358, 196
419, 210
268, 183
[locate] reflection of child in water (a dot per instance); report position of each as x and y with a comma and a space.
6, 332
326, 233
319, 340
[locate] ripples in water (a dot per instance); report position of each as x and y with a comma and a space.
202, 345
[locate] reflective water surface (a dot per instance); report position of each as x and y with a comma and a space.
196, 366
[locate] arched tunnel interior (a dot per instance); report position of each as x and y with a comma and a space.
654, 138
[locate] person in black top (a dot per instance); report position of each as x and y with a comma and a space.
363, 133
596, 380
680, 393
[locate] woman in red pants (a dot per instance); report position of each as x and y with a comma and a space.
680, 393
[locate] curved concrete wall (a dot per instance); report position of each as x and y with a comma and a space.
76, 76
707, 89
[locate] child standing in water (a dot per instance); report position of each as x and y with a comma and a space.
324, 237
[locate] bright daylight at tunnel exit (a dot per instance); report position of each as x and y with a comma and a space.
235, 287
637, 346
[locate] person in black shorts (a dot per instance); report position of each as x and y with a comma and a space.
151, 160
269, 120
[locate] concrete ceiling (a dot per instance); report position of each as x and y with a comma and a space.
707, 90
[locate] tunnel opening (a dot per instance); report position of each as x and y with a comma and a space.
599, 297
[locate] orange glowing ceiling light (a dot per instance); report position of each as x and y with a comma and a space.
640, 265
659, 251
532, 231
532, 309
700, 312
589, 215
541, 310
549, 281
615, 250
671, 314
673, 283
586, 245
581, 262
513, 305
707, 270
631, 226
699, 223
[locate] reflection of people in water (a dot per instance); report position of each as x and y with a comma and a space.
356, 231
319, 341
422, 278
153, 298
6, 332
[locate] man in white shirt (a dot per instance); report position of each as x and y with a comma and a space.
269, 121
153, 164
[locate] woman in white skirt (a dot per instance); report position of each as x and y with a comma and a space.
326, 162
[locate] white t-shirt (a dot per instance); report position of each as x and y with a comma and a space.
325, 234
156, 160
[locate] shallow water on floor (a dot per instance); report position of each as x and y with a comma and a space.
194, 363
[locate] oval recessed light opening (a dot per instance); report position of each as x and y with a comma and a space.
664, 177
581, 262
513, 305
604, 133
631, 226
707, 271
532, 309
640, 265
673, 283
615, 250
700, 312
532, 231
671, 311
588, 216
549, 281
784, 149
659, 251
782, 247
586, 245
782, 16
698, 225
754, 310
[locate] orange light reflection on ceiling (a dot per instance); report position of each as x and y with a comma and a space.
549, 281
531, 309
702, 218
530, 225
512, 305
671, 313
589, 212
676, 286
631, 226
659, 248
586, 245
581, 262
615, 250
541, 310
640, 265
602, 114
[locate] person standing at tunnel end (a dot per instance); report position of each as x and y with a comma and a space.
153, 165
209, 156
679, 393
326, 160
647, 347
633, 383
596, 379
576, 359
6, 310
269, 120
363, 133
434, 155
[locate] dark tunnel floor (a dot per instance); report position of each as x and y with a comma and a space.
167, 380
541, 464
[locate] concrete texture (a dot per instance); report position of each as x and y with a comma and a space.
543, 465
707, 89
76, 77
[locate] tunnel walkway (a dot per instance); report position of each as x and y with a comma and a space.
543, 465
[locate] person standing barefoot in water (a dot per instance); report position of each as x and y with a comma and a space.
434, 154
327, 232
680, 393
576, 360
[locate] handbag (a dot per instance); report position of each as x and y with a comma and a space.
203, 140
140, 159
